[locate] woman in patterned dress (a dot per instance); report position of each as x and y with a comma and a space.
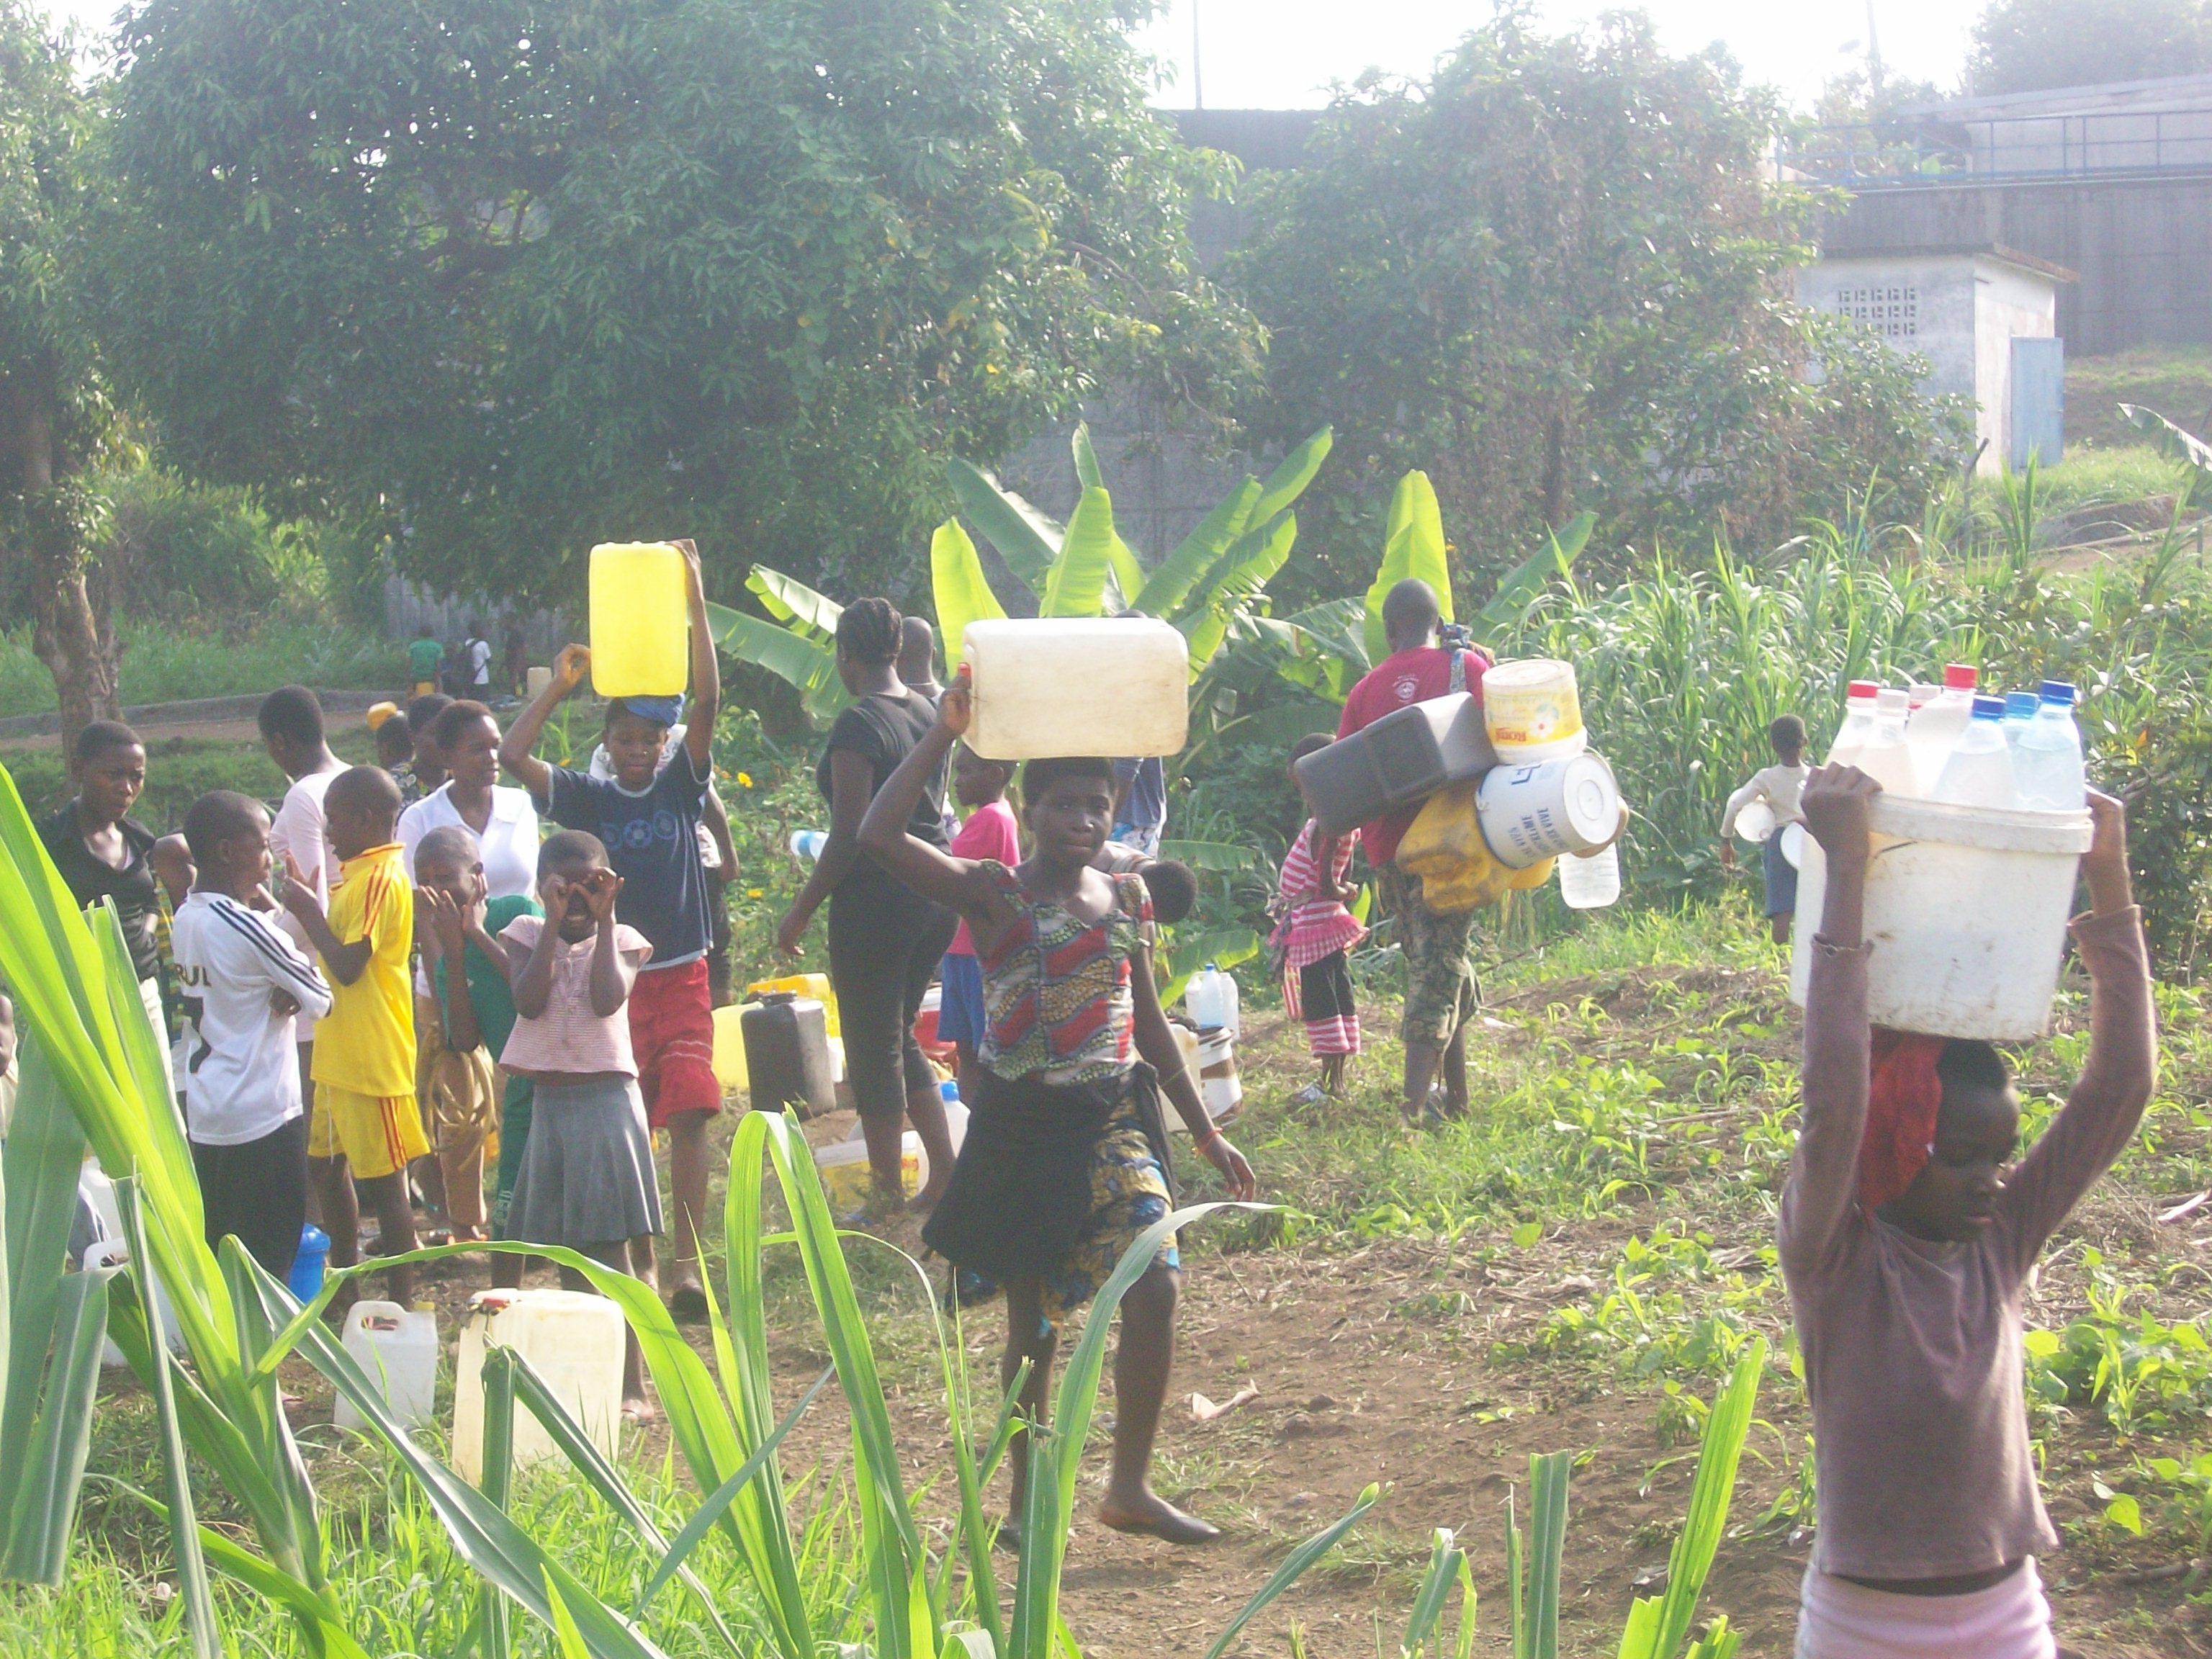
1066, 1158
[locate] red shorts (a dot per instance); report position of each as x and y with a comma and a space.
671, 1033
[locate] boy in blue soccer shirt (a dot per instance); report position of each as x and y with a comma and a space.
649, 822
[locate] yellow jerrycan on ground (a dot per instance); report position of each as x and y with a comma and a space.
640, 620
1446, 849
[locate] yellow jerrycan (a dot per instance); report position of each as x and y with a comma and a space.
640, 620
1446, 849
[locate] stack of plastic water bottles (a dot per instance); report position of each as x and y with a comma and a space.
2019, 752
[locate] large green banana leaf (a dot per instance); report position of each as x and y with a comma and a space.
807, 664
1412, 546
1172, 579
957, 584
1524, 585
1076, 585
1289, 480
1026, 539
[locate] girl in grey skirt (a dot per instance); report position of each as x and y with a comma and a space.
588, 1179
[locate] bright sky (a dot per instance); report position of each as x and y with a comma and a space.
1283, 54
1280, 54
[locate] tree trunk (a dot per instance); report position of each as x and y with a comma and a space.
74, 603
74, 637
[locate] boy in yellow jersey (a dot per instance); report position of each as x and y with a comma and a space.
365, 1119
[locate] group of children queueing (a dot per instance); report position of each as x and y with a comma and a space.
1908, 1232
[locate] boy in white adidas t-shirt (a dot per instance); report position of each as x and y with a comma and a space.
244, 983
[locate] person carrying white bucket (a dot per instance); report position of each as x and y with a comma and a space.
1775, 789
1907, 1235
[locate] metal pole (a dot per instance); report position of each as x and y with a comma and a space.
1197, 72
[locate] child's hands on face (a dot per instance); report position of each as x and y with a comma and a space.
1835, 805
448, 923
600, 889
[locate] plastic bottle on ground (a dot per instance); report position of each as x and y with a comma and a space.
1858, 724
1885, 757
1978, 771
1592, 883
2020, 709
1937, 726
2047, 762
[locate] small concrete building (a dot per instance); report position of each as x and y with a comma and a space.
1985, 318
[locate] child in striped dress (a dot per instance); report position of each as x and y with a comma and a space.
1314, 935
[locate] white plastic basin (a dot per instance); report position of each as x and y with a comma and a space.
1966, 909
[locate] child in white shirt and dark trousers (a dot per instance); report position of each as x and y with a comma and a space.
1778, 787
245, 985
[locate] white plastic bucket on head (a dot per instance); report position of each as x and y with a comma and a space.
1966, 909
1547, 810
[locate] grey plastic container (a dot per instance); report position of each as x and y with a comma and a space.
1403, 757
787, 1055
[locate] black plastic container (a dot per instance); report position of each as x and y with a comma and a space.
1402, 758
787, 1054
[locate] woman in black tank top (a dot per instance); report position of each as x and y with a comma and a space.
885, 941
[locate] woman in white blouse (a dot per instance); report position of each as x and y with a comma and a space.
466, 737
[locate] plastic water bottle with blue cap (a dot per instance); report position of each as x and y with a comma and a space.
1978, 771
808, 843
2047, 767
2019, 711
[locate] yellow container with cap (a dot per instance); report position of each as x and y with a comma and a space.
817, 985
1533, 711
640, 620
1444, 847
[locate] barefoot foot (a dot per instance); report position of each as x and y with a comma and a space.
1153, 1516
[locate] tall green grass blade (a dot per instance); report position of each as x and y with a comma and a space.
44, 1516
1525, 584
709, 1514
495, 1635
1026, 539
323, 1632
961, 591
1727, 1427
1294, 1567
573, 1645
1464, 1648
1547, 1536
1445, 1560
176, 1476
1076, 585
1515, 1574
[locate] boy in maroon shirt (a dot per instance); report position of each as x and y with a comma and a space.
1440, 989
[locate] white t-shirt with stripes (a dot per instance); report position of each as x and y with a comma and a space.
240, 1079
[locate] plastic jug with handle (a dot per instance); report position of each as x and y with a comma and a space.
572, 1338
1210, 1000
640, 620
787, 1040
1040, 685
399, 1349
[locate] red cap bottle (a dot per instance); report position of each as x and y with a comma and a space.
1956, 676
1863, 690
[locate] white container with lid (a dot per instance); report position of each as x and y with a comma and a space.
399, 1349
573, 1339
1077, 685
1966, 909
1531, 813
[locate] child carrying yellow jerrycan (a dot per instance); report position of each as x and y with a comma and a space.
1446, 849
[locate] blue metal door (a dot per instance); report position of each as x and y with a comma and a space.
2039, 401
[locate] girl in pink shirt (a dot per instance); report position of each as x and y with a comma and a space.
989, 833
588, 1179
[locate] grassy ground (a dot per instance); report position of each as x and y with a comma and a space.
1571, 1266
2175, 381
169, 662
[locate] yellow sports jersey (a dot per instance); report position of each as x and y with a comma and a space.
366, 1043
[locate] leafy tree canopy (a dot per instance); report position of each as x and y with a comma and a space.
2025, 46
527, 275
1554, 278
